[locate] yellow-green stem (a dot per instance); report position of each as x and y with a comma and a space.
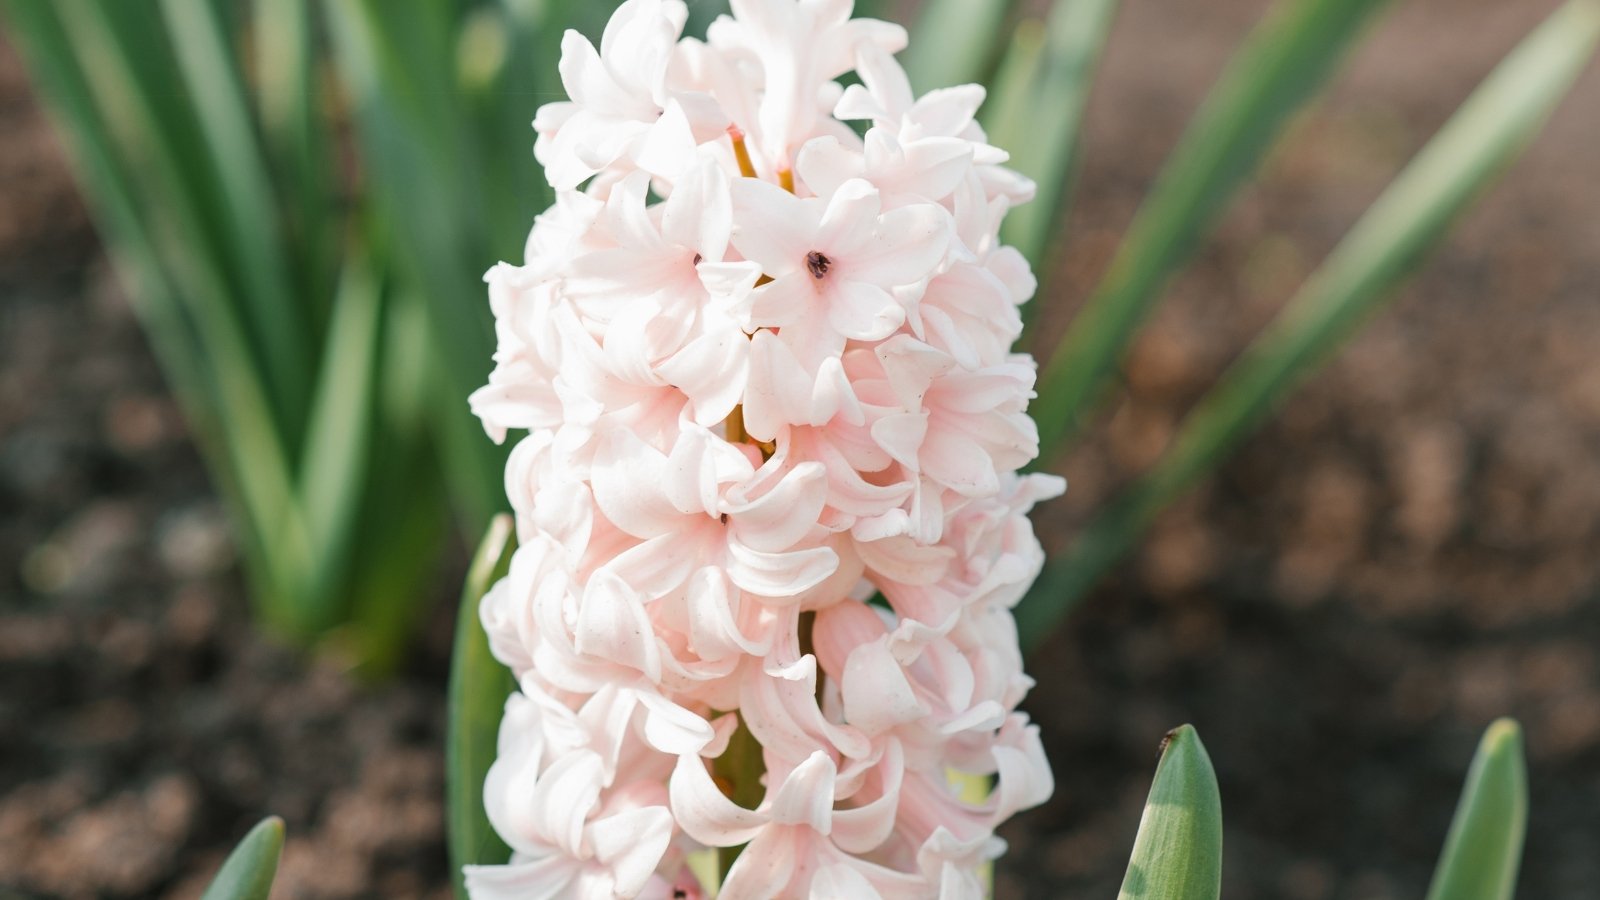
738, 772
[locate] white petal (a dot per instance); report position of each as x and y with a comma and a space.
849, 218
824, 164
565, 796
668, 145
542, 878
806, 796
907, 247
772, 226
764, 869
699, 214
613, 626
777, 520
704, 812
779, 574
877, 695
862, 310
672, 729
631, 843
863, 828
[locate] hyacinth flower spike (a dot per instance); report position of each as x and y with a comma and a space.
768, 500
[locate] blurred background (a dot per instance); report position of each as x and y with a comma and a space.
1409, 549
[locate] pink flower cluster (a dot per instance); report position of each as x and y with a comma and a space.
769, 483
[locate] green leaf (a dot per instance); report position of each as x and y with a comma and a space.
288, 88
1484, 847
38, 33
342, 426
1496, 122
419, 147
400, 532
109, 69
248, 871
1177, 854
954, 42
1281, 66
214, 83
1050, 72
479, 686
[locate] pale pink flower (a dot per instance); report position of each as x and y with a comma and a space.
770, 476
796, 48
622, 106
570, 835
835, 266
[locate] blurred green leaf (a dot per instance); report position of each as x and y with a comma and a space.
343, 424
56, 73
1281, 65
703, 12
1040, 95
954, 42
288, 83
248, 871
417, 139
400, 532
1177, 854
1489, 129
125, 94
1484, 847
479, 686
328, 465
249, 215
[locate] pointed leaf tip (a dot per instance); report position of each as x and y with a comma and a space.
1177, 854
1483, 850
248, 871
479, 685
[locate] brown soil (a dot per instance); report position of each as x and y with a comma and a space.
1405, 553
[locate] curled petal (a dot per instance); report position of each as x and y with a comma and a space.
631, 844
765, 868
539, 878
862, 829
704, 812
778, 519
713, 629
779, 575
806, 796
672, 729
564, 797
612, 625
877, 695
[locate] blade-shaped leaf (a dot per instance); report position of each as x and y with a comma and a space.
248, 871
108, 69
1177, 854
37, 31
288, 85
1500, 117
1484, 847
339, 434
400, 533
1281, 66
479, 685
212, 79
413, 130
953, 42
1040, 96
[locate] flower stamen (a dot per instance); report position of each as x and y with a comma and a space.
747, 168
817, 264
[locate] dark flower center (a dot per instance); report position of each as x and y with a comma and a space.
818, 264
